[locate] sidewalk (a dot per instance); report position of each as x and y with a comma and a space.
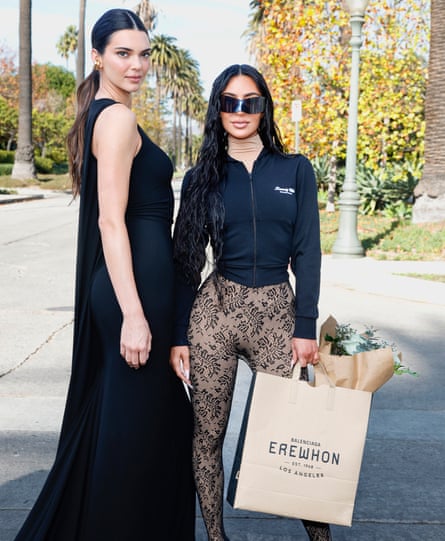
401, 492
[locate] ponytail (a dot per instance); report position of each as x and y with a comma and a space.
76, 136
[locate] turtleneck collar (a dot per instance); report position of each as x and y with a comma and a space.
245, 150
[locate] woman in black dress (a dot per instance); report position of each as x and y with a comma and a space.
123, 465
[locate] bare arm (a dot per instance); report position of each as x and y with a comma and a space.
115, 143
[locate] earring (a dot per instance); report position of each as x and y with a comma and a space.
97, 65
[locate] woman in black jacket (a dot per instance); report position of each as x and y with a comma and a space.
257, 206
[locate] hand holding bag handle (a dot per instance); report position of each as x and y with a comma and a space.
302, 374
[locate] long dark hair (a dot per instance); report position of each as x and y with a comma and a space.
201, 214
111, 21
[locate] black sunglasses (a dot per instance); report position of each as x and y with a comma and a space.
251, 106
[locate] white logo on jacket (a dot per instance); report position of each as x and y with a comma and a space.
286, 191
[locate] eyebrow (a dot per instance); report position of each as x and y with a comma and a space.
248, 95
128, 49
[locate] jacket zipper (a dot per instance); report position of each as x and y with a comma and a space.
254, 227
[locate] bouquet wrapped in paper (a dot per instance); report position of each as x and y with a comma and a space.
354, 360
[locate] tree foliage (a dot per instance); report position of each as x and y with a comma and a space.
169, 103
67, 44
52, 107
9, 90
303, 50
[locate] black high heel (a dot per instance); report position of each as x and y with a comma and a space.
317, 531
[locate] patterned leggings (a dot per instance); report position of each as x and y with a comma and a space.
257, 324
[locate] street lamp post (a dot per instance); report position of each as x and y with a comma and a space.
347, 243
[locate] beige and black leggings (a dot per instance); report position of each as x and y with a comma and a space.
255, 323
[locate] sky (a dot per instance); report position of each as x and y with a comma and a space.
211, 30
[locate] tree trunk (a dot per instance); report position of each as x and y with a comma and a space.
24, 155
188, 137
80, 60
332, 184
158, 80
175, 148
179, 135
332, 180
429, 205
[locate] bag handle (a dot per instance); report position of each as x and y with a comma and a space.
300, 373
303, 375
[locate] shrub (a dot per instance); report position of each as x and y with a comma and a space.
6, 168
6, 156
60, 168
43, 165
322, 171
57, 154
389, 189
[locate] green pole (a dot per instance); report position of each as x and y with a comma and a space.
347, 243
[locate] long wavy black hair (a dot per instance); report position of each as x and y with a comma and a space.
201, 214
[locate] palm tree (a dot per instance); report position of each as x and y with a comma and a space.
67, 43
147, 13
80, 60
164, 62
182, 83
24, 155
177, 76
255, 29
195, 108
430, 192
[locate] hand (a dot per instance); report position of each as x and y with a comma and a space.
304, 351
135, 341
180, 362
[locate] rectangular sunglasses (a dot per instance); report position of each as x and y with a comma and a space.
251, 106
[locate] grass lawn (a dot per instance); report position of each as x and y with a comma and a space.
46, 182
387, 238
432, 277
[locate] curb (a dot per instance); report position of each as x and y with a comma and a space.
5, 199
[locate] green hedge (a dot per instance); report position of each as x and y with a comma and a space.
6, 156
43, 165
60, 168
6, 168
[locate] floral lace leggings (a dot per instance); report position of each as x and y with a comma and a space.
229, 321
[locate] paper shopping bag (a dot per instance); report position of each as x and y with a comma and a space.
365, 371
300, 450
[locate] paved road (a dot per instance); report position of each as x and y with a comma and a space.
401, 495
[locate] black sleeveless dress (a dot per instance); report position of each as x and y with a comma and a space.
123, 466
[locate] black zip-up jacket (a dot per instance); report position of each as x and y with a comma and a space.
271, 220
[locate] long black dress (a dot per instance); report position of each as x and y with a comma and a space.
123, 466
